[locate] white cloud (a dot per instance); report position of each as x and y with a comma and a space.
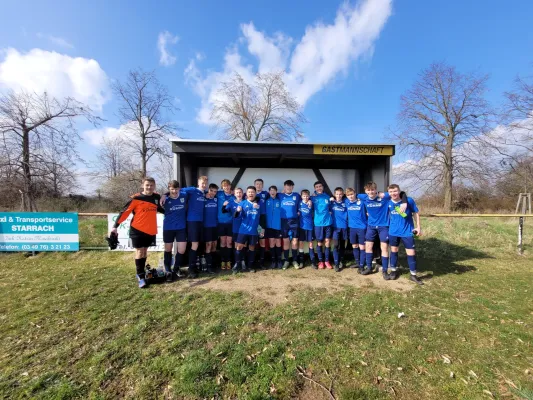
165, 39
59, 41
58, 74
96, 136
323, 53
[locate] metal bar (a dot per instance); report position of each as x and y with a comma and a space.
93, 214
237, 178
520, 235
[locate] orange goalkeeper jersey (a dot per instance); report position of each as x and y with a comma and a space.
144, 209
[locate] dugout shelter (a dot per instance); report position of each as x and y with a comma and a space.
344, 165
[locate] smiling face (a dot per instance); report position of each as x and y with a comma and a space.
258, 186
226, 187
273, 192
202, 184
288, 189
250, 194
319, 188
305, 197
371, 192
174, 192
212, 193
148, 187
394, 194
351, 197
238, 194
338, 195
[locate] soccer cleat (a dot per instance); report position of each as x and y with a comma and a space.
285, 265
314, 265
210, 270
328, 265
355, 264
273, 265
415, 279
393, 275
337, 268
366, 271
360, 270
386, 276
341, 265
142, 282
295, 264
321, 265
169, 277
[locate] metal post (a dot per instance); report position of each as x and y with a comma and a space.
520, 235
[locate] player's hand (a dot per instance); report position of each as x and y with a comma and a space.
162, 201
225, 203
239, 209
332, 199
113, 231
309, 203
417, 232
403, 207
381, 195
256, 205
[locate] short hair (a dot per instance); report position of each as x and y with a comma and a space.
174, 184
349, 190
202, 178
250, 187
307, 192
239, 188
273, 187
318, 183
213, 186
339, 189
288, 182
371, 185
259, 180
225, 181
148, 179
393, 186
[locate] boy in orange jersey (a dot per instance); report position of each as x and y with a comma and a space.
143, 227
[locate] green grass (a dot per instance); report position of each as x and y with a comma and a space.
76, 326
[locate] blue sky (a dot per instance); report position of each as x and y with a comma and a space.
354, 103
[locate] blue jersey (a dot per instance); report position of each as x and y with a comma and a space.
250, 218
231, 207
306, 216
340, 214
356, 214
223, 218
377, 209
175, 212
210, 212
273, 213
289, 205
263, 195
322, 210
400, 226
195, 200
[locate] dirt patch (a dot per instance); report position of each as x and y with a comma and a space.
276, 286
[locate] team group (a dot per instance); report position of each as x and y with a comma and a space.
243, 220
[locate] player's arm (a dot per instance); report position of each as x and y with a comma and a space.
418, 228
124, 214
362, 196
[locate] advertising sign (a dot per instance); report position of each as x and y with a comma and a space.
39, 231
123, 231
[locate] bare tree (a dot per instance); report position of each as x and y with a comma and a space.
439, 118
260, 111
31, 122
113, 158
144, 110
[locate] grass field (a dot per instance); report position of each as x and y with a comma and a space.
76, 326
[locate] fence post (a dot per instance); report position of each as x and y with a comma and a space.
520, 235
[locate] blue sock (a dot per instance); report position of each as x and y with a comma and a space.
319, 253
393, 260
356, 255
286, 255
238, 258
369, 257
251, 258
300, 258
326, 255
209, 259
224, 254
411, 260
261, 254
341, 253
385, 263
362, 258
335, 255
177, 261
312, 254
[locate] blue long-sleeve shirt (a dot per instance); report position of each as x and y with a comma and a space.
223, 218
322, 210
250, 218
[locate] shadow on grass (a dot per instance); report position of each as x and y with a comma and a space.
442, 258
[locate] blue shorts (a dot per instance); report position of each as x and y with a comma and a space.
357, 235
171, 235
194, 231
340, 234
210, 234
251, 240
372, 232
225, 229
234, 237
323, 232
272, 233
408, 242
305, 235
287, 225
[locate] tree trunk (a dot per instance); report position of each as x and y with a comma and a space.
28, 203
143, 158
448, 175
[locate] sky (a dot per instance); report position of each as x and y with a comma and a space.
347, 63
